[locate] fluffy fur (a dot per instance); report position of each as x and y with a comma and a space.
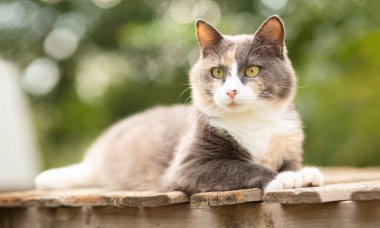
221, 142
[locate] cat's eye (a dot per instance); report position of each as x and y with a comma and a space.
252, 71
217, 72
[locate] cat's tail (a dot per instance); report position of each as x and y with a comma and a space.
73, 176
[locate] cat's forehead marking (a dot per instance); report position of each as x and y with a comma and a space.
229, 56
237, 50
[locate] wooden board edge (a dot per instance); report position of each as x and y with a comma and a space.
365, 195
292, 197
227, 197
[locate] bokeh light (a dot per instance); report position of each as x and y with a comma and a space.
61, 43
96, 73
40, 76
274, 5
187, 11
105, 4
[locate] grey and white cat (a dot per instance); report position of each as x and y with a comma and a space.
241, 132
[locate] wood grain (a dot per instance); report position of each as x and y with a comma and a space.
332, 175
105, 197
14, 199
371, 193
336, 175
227, 197
90, 197
323, 194
145, 199
338, 214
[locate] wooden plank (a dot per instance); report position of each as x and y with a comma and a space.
332, 175
90, 197
338, 214
145, 199
104, 197
227, 197
47, 198
14, 199
335, 175
323, 194
371, 193
72, 197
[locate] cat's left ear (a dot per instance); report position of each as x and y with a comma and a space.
272, 32
208, 36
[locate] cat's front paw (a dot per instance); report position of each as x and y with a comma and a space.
306, 177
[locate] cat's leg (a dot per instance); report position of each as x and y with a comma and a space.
306, 177
74, 176
290, 165
219, 175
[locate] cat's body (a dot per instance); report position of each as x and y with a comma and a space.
241, 131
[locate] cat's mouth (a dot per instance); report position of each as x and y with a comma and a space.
233, 105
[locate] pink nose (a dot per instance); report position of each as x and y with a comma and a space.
232, 93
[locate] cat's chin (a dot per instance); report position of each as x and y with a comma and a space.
234, 108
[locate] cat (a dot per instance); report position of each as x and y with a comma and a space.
242, 130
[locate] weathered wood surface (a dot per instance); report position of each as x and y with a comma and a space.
354, 204
339, 214
90, 197
324, 194
371, 193
103, 197
227, 198
332, 175
335, 175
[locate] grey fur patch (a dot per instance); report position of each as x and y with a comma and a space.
291, 165
216, 162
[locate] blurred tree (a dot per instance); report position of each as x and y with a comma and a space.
87, 64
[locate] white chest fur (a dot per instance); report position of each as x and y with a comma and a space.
252, 133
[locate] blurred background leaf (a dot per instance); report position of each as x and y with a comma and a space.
86, 64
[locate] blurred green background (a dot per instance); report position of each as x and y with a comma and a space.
86, 64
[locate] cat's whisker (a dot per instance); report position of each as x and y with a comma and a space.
193, 52
216, 52
215, 113
187, 101
291, 87
184, 104
258, 105
205, 110
301, 87
272, 96
183, 92
212, 109
257, 49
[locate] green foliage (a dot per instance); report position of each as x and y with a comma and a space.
137, 54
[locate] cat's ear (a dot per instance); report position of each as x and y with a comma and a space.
208, 36
272, 32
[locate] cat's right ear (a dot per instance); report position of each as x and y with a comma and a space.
272, 32
208, 36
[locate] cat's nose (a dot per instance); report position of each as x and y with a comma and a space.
232, 93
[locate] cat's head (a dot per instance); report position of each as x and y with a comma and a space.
236, 74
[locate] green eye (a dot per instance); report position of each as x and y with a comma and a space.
252, 71
217, 72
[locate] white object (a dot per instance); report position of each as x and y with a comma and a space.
18, 149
